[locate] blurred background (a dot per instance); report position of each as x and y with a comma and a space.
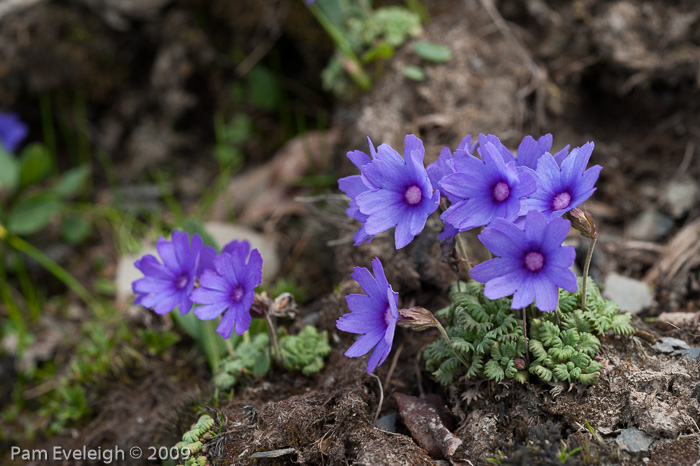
233, 118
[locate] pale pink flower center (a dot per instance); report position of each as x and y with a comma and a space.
182, 281
561, 201
534, 261
413, 195
387, 316
501, 191
237, 294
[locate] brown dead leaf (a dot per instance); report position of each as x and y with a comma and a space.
423, 420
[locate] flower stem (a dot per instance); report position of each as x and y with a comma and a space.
229, 348
462, 252
449, 343
273, 339
527, 356
586, 266
381, 399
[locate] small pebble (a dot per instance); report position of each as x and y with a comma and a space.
634, 440
631, 295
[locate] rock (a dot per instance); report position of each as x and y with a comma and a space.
222, 233
680, 197
387, 422
630, 294
650, 225
634, 440
669, 345
691, 353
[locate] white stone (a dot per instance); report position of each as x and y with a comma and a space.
630, 294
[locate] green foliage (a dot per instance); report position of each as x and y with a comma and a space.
432, 52
251, 359
304, 351
373, 35
487, 334
192, 441
415, 73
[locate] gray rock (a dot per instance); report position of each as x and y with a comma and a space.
630, 294
680, 197
634, 440
650, 225
387, 422
669, 345
691, 353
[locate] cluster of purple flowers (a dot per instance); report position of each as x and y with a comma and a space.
519, 199
194, 273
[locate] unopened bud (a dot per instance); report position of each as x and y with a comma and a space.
261, 305
583, 222
416, 318
519, 364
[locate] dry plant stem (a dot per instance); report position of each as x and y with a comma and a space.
449, 342
586, 266
392, 368
273, 339
381, 399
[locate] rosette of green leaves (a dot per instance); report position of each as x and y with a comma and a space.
304, 351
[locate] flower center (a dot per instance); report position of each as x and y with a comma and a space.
534, 261
501, 191
387, 316
182, 281
561, 201
413, 195
237, 294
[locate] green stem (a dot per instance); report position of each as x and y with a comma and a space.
586, 266
59, 272
449, 342
464, 257
357, 72
229, 348
13, 311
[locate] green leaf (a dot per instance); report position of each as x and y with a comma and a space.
263, 89
74, 229
9, 171
193, 225
32, 214
262, 365
72, 181
432, 52
35, 164
204, 333
415, 73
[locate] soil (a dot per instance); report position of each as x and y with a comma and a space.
620, 73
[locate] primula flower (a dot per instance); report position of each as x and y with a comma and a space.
529, 150
229, 288
169, 284
531, 263
488, 189
400, 193
560, 189
12, 131
372, 315
354, 185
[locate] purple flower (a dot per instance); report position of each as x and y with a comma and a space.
12, 131
531, 263
485, 189
354, 185
230, 288
529, 150
169, 284
400, 194
372, 315
561, 189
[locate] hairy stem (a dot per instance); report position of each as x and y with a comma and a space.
587, 266
273, 339
527, 356
462, 252
445, 337
229, 348
381, 399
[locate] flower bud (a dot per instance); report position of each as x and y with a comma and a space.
583, 222
416, 318
519, 364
